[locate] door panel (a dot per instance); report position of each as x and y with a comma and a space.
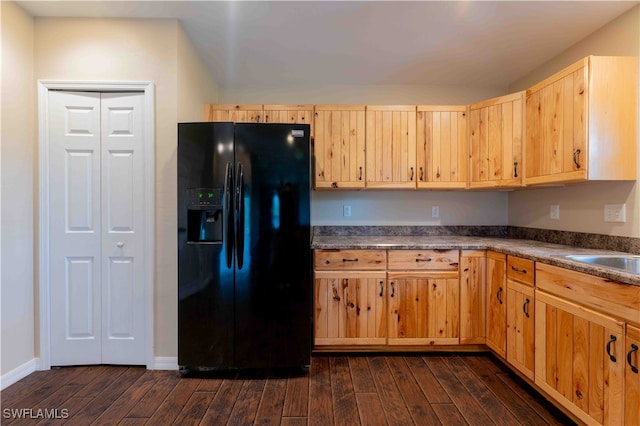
273, 282
123, 208
97, 266
120, 285
79, 190
205, 277
79, 298
74, 179
120, 202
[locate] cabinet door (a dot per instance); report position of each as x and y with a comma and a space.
556, 127
632, 377
424, 308
233, 113
581, 122
441, 140
520, 327
580, 359
472, 296
391, 146
289, 114
339, 146
497, 302
495, 140
350, 308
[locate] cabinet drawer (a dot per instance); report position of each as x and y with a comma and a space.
440, 260
520, 269
609, 297
337, 260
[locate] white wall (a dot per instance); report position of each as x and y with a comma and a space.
581, 206
380, 207
409, 208
138, 49
195, 85
17, 169
370, 94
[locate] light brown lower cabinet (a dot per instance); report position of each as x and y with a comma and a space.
497, 302
580, 359
350, 308
473, 282
520, 327
632, 376
424, 308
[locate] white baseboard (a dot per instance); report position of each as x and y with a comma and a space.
21, 372
164, 363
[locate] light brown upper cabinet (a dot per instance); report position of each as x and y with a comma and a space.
391, 146
581, 123
235, 113
442, 155
289, 114
495, 141
256, 113
339, 146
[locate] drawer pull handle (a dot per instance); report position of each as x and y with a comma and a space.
576, 158
524, 307
411, 178
612, 338
424, 260
381, 287
350, 260
518, 270
360, 175
634, 348
515, 169
393, 289
421, 174
499, 295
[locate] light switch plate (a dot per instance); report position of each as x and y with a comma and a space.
615, 213
554, 211
435, 212
346, 210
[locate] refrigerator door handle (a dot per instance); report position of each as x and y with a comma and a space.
240, 215
228, 234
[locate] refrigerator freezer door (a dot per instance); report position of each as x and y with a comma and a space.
205, 282
273, 286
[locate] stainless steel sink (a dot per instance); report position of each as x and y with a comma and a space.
629, 263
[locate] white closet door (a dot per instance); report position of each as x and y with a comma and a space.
97, 283
75, 231
122, 229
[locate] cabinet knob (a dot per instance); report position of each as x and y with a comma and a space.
120, 244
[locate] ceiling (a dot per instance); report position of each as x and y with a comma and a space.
275, 44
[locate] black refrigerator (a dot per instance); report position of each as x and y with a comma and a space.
244, 257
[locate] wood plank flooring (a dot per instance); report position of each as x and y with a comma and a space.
339, 390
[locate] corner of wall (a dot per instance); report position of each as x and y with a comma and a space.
196, 85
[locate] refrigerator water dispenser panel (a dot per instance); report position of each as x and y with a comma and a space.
204, 216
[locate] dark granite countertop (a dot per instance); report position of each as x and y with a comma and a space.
535, 250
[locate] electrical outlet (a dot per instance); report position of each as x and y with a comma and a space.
554, 211
615, 213
346, 210
435, 212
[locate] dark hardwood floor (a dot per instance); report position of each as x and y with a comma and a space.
340, 390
